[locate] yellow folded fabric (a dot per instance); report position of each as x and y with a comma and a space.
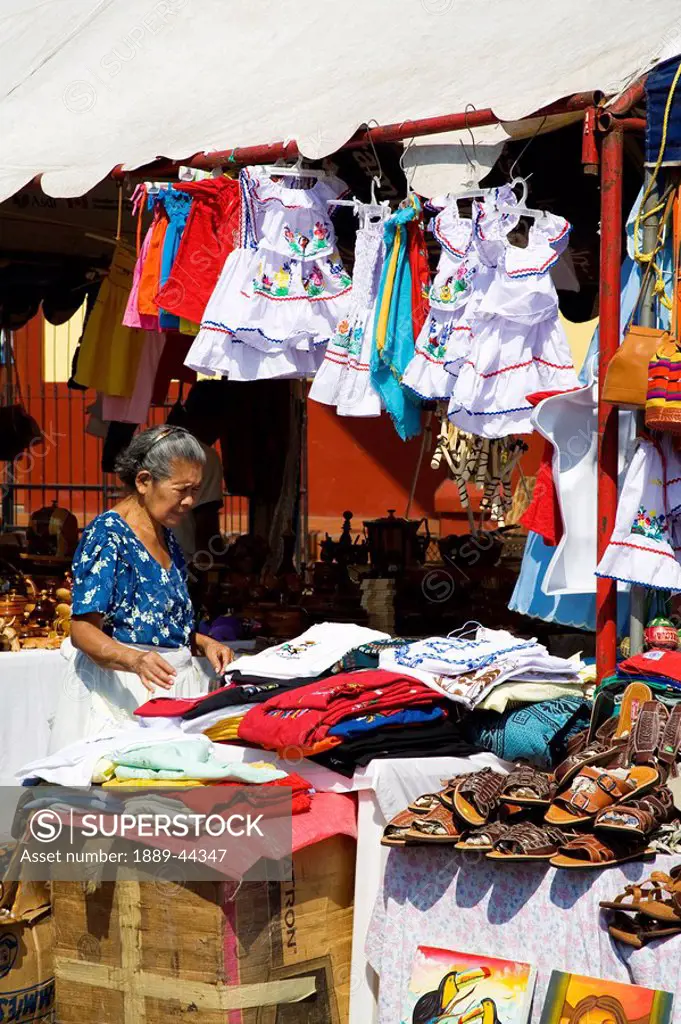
227, 729
159, 783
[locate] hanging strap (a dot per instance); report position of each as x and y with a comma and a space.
668, 207
649, 257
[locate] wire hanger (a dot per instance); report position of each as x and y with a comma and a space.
410, 191
295, 171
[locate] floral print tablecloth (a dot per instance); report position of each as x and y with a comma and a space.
530, 912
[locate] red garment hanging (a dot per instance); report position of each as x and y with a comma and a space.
210, 235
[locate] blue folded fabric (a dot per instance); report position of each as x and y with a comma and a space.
352, 727
537, 733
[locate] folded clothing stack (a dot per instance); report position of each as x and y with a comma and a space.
303, 718
469, 667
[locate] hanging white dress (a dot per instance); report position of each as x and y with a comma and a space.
281, 294
344, 378
518, 345
641, 549
466, 267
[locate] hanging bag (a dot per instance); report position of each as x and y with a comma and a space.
18, 429
663, 402
626, 379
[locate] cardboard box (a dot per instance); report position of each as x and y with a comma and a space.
210, 952
27, 987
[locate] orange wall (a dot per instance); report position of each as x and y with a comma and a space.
362, 465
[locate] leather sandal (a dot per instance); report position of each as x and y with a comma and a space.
670, 744
647, 733
481, 840
600, 751
527, 842
633, 699
450, 785
589, 851
637, 932
478, 795
423, 804
394, 833
596, 788
437, 826
638, 817
656, 905
526, 786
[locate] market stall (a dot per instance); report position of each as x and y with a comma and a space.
478, 739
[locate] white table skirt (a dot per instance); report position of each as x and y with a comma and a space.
29, 686
30, 683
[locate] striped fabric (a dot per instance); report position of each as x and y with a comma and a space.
663, 401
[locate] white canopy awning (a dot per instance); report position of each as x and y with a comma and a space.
89, 84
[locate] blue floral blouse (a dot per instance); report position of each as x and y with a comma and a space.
114, 574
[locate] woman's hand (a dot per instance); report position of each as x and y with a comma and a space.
154, 670
219, 655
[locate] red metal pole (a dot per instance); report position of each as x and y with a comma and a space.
590, 154
385, 133
609, 335
629, 98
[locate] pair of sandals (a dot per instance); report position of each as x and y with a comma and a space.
427, 819
523, 841
467, 801
655, 906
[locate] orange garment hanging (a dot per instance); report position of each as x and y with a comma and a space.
150, 278
109, 354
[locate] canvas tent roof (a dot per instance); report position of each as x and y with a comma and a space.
89, 84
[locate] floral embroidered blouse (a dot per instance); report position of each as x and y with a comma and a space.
142, 603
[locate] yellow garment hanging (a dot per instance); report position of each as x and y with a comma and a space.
384, 311
188, 327
109, 354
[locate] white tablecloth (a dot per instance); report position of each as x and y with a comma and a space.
29, 683
29, 687
529, 912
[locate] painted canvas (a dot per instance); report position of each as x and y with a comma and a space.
450, 987
575, 999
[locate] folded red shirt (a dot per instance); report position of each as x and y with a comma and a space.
653, 663
303, 717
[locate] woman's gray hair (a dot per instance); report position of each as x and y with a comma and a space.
155, 450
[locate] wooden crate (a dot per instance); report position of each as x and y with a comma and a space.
210, 952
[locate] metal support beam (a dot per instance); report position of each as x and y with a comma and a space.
365, 136
612, 153
647, 318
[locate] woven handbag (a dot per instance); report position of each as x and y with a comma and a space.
663, 401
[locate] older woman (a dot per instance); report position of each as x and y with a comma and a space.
133, 623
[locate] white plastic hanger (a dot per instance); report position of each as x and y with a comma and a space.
295, 171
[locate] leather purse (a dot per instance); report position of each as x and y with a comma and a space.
626, 379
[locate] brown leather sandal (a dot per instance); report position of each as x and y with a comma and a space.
394, 833
437, 826
600, 751
481, 840
638, 817
526, 786
591, 852
647, 732
636, 931
478, 795
595, 788
527, 842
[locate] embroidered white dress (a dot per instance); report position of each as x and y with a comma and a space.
344, 378
518, 345
641, 549
466, 267
281, 294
